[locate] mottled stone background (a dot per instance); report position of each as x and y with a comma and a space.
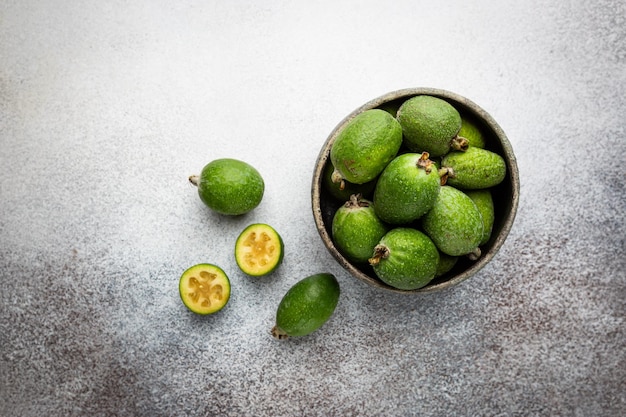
107, 107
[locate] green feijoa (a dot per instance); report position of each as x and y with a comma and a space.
474, 169
454, 223
341, 191
446, 263
471, 132
364, 146
229, 186
430, 124
405, 258
484, 201
356, 229
406, 189
306, 306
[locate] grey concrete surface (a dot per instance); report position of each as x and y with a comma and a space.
107, 107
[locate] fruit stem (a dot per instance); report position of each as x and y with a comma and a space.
194, 179
337, 178
424, 162
474, 255
356, 202
444, 174
459, 143
380, 252
279, 333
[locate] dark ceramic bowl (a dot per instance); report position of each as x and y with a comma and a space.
505, 195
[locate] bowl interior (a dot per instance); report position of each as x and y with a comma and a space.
505, 195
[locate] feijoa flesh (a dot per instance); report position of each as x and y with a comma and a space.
474, 168
405, 258
430, 124
204, 288
356, 229
229, 186
454, 223
364, 146
259, 250
406, 189
306, 306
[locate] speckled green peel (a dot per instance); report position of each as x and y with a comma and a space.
405, 259
342, 190
484, 201
471, 132
364, 146
474, 169
454, 223
406, 189
429, 124
306, 306
356, 229
229, 186
446, 263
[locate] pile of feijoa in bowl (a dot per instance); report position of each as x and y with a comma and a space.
417, 183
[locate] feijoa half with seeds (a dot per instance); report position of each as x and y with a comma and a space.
259, 250
306, 306
204, 288
405, 258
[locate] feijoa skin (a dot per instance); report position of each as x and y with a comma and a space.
229, 186
341, 191
406, 189
446, 263
454, 223
405, 258
484, 201
472, 132
364, 146
306, 306
474, 169
430, 124
356, 229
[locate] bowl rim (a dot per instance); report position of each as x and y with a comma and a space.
512, 171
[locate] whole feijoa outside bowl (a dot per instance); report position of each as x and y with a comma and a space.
327, 200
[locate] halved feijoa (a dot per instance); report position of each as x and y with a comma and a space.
259, 249
204, 288
306, 306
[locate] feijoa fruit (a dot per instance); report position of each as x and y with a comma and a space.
405, 258
406, 189
364, 146
306, 306
229, 186
356, 229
